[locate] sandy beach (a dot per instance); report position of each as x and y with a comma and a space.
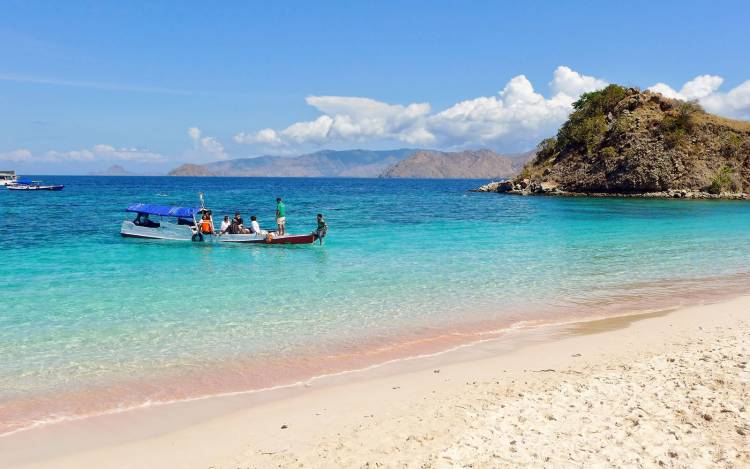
665, 388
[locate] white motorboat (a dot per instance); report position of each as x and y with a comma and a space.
29, 185
7, 178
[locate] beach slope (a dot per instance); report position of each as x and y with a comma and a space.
665, 388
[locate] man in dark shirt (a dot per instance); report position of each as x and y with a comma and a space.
237, 226
322, 229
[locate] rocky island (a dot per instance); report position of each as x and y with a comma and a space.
625, 142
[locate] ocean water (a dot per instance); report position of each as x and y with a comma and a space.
92, 323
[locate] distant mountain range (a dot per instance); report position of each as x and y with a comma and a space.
324, 163
114, 170
405, 163
478, 164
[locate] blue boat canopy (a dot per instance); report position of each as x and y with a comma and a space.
24, 181
163, 210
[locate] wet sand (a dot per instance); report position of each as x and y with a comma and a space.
666, 388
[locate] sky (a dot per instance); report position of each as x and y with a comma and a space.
151, 85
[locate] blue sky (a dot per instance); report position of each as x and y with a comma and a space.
87, 84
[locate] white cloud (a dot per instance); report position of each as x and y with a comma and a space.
97, 152
573, 84
125, 154
313, 131
735, 103
666, 91
518, 115
265, 136
705, 89
73, 155
21, 154
208, 146
697, 88
701, 86
194, 133
349, 119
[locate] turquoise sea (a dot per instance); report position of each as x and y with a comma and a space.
91, 322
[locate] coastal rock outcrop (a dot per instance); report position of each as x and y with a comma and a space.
626, 142
496, 186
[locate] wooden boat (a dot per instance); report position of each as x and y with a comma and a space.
269, 238
182, 224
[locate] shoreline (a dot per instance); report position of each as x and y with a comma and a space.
446, 342
229, 422
550, 189
178, 388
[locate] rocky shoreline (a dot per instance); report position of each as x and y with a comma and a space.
528, 187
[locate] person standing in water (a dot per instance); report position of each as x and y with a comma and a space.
280, 216
322, 228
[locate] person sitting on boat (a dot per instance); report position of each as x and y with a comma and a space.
281, 216
225, 224
237, 226
141, 219
322, 228
206, 224
255, 227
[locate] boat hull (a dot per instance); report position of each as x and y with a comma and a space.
255, 239
167, 231
12, 187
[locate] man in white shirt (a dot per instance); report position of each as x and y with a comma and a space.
255, 227
224, 225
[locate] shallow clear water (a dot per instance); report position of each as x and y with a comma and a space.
90, 320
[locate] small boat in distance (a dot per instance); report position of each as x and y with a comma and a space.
7, 178
182, 224
29, 185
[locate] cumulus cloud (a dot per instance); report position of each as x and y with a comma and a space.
516, 115
208, 146
735, 103
21, 154
572, 83
705, 89
697, 88
97, 152
350, 119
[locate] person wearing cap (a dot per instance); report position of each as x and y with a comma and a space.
280, 216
